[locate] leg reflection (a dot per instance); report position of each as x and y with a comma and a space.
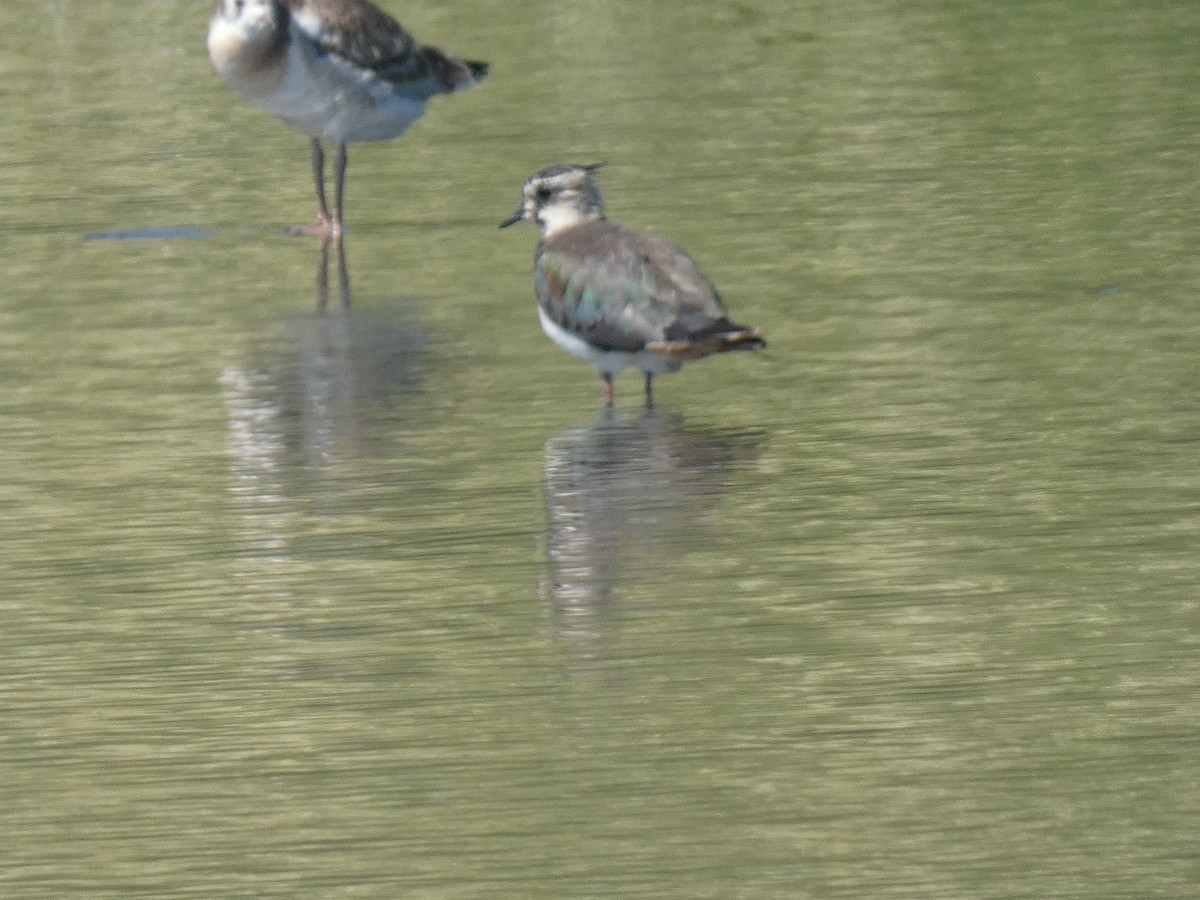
343, 280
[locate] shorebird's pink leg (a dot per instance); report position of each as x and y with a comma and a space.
339, 184
318, 167
326, 226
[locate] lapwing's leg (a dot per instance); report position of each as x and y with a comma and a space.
608, 388
649, 390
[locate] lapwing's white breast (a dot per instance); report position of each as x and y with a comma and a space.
556, 217
607, 361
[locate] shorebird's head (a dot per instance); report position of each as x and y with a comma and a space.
559, 197
251, 16
246, 36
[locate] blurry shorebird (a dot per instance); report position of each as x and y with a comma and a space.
336, 70
616, 297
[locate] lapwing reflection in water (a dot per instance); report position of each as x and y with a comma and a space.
625, 499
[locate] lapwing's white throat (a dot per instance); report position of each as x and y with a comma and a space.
335, 70
615, 297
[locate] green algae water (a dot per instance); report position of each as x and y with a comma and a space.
329, 578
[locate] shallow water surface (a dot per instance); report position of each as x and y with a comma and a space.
326, 575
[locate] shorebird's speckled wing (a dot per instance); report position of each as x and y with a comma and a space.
622, 290
368, 38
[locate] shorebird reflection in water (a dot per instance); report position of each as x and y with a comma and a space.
616, 297
343, 276
336, 70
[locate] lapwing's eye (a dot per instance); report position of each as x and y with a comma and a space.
543, 193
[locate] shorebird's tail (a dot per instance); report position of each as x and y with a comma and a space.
454, 74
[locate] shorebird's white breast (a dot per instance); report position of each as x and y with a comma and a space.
324, 96
319, 94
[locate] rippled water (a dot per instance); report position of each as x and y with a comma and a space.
328, 576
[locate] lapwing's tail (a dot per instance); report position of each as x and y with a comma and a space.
744, 339
478, 69
736, 338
